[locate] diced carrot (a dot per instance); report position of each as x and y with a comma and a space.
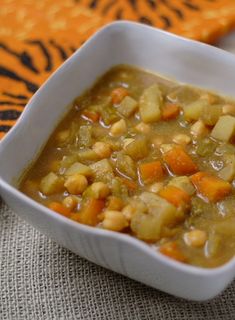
179, 161
89, 214
118, 95
172, 250
151, 172
170, 111
91, 115
211, 187
60, 208
175, 196
130, 184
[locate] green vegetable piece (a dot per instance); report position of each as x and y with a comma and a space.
137, 149
127, 107
193, 111
126, 166
211, 114
205, 147
85, 136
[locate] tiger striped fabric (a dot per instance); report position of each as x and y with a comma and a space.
37, 36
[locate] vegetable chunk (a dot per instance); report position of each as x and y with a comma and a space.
210, 187
127, 107
51, 184
224, 128
175, 196
150, 104
151, 171
90, 211
179, 161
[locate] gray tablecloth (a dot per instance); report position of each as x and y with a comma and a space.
41, 280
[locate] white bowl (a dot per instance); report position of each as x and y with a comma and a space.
118, 43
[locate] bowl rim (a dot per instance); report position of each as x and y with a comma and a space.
186, 268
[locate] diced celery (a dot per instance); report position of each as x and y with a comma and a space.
127, 107
102, 170
137, 149
211, 114
85, 136
183, 183
126, 165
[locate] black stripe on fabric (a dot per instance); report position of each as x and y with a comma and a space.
15, 96
108, 6
133, 4
45, 52
9, 114
167, 22
32, 87
5, 128
152, 4
145, 20
11, 103
61, 51
191, 6
93, 4
119, 14
175, 10
24, 57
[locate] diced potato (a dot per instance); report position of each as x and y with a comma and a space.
228, 171
198, 129
224, 128
51, 184
78, 168
211, 114
102, 170
85, 136
148, 226
127, 107
156, 187
138, 149
125, 165
150, 104
184, 183
193, 111
118, 128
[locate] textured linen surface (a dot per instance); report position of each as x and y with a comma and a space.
41, 280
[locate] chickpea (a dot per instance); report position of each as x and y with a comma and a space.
143, 127
115, 203
118, 128
198, 129
70, 202
182, 139
128, 212
229, 109
62, 136
195, 238
156, 187
114, 220
100, 190
102, 149
76, 184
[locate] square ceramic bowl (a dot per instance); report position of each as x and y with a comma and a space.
118, 43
